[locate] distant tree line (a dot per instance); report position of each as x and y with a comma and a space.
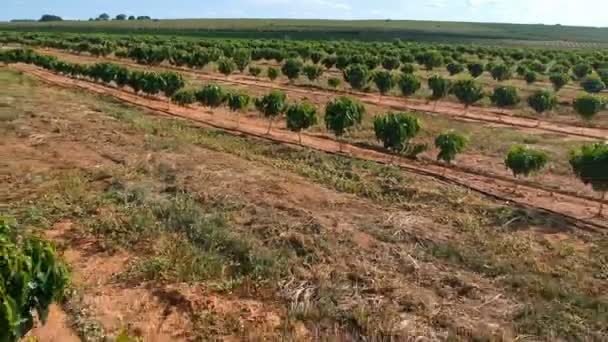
120, 17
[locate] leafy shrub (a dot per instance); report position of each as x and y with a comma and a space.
273, 73
292, 68
439, 86
542, 101
395, 130
450, 144
501, 72
559, 80
301, 116
255, 71
384, 80
522, 160
505, 96
226, 66
271, 105
455, 68
408, 84
587, 105
357, 75
211, 95
475, 69
184, 97
32, 277
593, 84
467, 91
341, 114
312, 72
334, 82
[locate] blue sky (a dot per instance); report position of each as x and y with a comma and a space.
566, 12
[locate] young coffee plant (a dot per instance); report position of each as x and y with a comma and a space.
292, 68
542, 101
505, 97
589, 164
32, 277
522, 160
384, 81
184, 97
238, 103
301, 116
357, 75
211, 96
271, 106
467, 91
440, 88
341, 114
273, 73
450, 143
409, 84
312, 72
588, 105
395, 130
226, 66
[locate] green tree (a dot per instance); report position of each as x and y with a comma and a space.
301, 116
432, 59
475, 69
531, 77
450, 143
589, 163
440, 88
313, 72
211, 95
501, 72
522, 160
184, 97
329, 61
390, 62
559, 80
32, 277
455, 68
408, 68
271, 106
467, 91
588, 105
505, 96
292, 68
384, 80
542, 101
357, 75
592, 84
242, 58
226, 66
341, 114
237, 103
121, 17
273, 73
255, 71
408, 84
581, 70
395, 130
172, 82
334, 82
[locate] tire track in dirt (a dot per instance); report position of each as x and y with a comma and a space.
574, 209
494, 116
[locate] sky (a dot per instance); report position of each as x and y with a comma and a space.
565, 12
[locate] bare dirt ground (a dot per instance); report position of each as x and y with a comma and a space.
563, 124
357, 250
526, 193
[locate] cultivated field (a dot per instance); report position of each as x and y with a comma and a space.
193, 197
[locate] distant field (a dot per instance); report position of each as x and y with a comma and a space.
338, 29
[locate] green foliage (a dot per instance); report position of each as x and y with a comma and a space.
587, 105
559, 80
238, 102
432, 59
334, 82
172, 82
408, 68
301, 116
531, 77
450, 143
390, 62
255, 71
357, 75
467, 91
273, 73
395, 130
384, 80
292, 68
522, 160
439, 86
501, 72
593, 84
505, 96
589, 163
312, 72
226, 66
211, 95
329, 61
184, 97
272, 104
408, 84
475, 69
581, 70
455, 68
542, 101
342, 114
32, 277
241, 58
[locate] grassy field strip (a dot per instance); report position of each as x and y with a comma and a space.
572, 208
